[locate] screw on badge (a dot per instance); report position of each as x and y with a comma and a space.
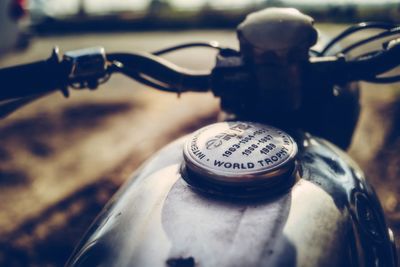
239, 154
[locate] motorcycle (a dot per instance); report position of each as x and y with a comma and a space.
268, 185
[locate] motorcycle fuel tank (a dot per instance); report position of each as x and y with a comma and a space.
190, 205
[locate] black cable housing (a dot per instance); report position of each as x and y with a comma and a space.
356, 28
211, 44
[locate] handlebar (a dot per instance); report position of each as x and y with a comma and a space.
169, 76
378, 63
90, 67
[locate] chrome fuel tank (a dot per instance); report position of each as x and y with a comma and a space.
328, 216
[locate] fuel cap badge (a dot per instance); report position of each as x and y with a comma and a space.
238, 153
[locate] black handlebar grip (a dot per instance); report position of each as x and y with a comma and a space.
31, 79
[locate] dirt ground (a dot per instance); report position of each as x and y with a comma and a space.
61, 160
376, 146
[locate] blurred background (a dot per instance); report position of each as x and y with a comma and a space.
62, 159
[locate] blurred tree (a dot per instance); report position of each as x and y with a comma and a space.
157, 7
81, 9
274, 3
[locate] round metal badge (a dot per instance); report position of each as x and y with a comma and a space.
239, 153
